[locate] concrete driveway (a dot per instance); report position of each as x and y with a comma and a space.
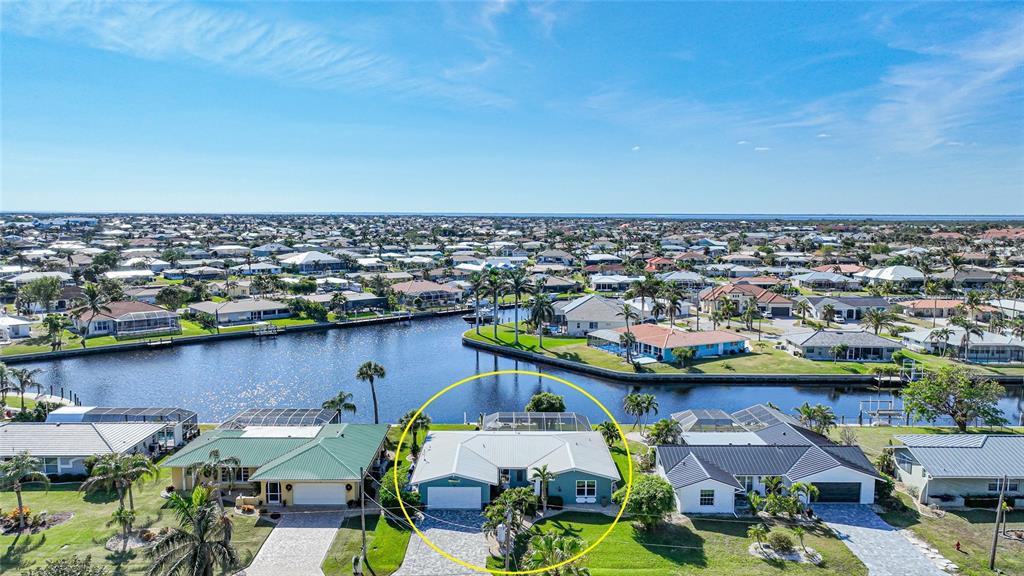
297, 545
878, 545
458, 533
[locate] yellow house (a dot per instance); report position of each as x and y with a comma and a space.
287, 465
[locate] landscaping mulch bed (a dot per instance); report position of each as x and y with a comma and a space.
799, 556
116, 542
51, 521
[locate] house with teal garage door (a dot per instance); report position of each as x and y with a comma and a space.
467, 470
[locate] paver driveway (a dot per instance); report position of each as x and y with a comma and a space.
878, 545
297, 545
458, 533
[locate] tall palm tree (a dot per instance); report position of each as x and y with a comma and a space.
94, 301
518, 282
21, 468
727, 308
829, 312
544, 476
628, 313
933, 288
802, 307
609, 432
119, 472
342, 402
672, 298
5, 381
477, 283
877, 319
941, 335
627, 341
200, 544
496, 288
415, 424
369, 372
213, 469
550, 548
648, 404
26, 378
632, 405
542, 311
970, 328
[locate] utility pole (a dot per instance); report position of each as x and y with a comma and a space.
995, 536
508, 535
362, 509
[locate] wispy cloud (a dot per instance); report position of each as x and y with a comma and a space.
823, 135
235, 41
762, 149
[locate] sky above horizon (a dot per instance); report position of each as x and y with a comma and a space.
513, 107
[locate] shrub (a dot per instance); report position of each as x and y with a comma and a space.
780, 542
651, 500
148, 536
646, 459
169, 489
248, 509
72, 566
981, 501
555, 502
13, 514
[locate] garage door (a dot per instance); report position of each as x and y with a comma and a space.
318, 494
838, 491
464, 497
779, 312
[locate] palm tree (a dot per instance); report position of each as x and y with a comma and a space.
806, 492
933, 289
758, 532
369, 372
544, 476
415, 424
22, 467
550, 548
55, 325
627, 341
200, 544
517, 282
5, 382
802, 307
750, 314
628, 313
609, 432
970, 328
632, 404
95, 302
478, 283
800, 532
26, 381
878, 318
672, 299
119, 472
665, 431
124, 518
941, 335
829, 312
214, 468
772, 485
342, 402
727, 308
495, 287
542, 311
837, 351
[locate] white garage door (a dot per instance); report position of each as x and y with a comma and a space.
318, 494
453, 497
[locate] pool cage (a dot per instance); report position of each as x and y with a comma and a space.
282, 417
187, 418
149, 322
536, 422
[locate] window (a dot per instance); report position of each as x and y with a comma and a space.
1011, 486
593, 325
51, 466
707, 497
586, 488
747, 482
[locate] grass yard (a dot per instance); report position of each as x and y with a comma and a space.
696, 546
973, 529
873, 439
87, 532
385, 547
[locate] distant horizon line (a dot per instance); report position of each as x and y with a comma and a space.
614, 215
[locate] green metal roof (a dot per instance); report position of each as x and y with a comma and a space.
337, 452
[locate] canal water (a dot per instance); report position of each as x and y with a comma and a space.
302, 370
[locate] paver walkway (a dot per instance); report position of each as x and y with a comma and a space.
458, 533
297, 545
878, 545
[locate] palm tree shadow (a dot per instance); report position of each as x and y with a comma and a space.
120, 558
22, 545
100, 497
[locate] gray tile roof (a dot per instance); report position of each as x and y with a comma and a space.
968, 455
829, 338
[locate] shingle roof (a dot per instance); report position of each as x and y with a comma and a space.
829, 338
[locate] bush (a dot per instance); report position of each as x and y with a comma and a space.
651, 500
555, 503
781, 542
981, 501
646, 460
148, 535
72, 566
248, 509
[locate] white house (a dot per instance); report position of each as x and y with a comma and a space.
14, 327
944, 468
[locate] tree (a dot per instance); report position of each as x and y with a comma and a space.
651, 500
829, 312
26, 380
339, 303
172, 297
55, 325
609, 432
546, 402
955, 392
415, 424
550, 548
818, 418
648, 404
495, 287
800, 532
42, 291
970, 328
804, 491
94, 302
665, 431
758, 532
877, 319
628, 313
683, 354
837, 351
207, 322
517, 282
213, 469
124, 518
200, 544
542, 311
15, 471
342, 402
119, 472
509, 509
802, 307
544, 476
628, 341
369, 372
478, 284
941, 335
632, 405
69, 566
673, 300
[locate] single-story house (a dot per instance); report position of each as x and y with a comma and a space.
824, 281
312, 262
257, 268
987, 348
911, 278
126, 318
271, 249
242, 311
431, 293
182, 424
554, 284
930, 307
860, 346
555, 256
685, 280
740, 293
64, 446
316, 465
844, 307
611, 282
588, 313
14, 327
944, 468
970, 278
659, 342
131, 275
469, 469
197, 273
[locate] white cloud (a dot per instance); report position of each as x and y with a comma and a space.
742, 143
636, 148
235, 41
762, 149
823, 135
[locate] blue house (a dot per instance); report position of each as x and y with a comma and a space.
467, 470
660, 342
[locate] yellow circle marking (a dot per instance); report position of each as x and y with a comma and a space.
625, 444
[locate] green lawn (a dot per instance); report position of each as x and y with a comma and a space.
873, 439
973, 529
697, 546
386, 542
87, 531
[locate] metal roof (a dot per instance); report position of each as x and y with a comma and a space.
44, 439
968, 455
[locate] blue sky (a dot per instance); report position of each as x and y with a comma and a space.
514, 107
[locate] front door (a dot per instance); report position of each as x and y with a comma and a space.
273, 492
